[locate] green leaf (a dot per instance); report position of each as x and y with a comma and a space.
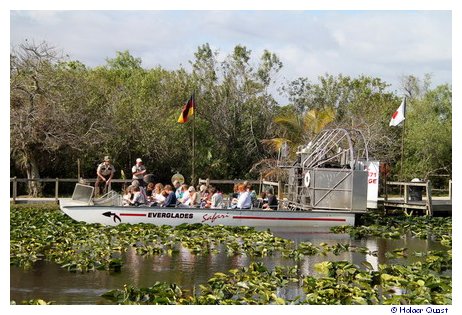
367, 264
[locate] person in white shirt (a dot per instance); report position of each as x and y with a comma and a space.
157, 195
244, 201
138, 197
138, 171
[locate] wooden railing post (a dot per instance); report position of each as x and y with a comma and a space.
15, 189
429, 211
406, 193
386, 191
280, 190
57, 190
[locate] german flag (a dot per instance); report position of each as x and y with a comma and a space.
188, 110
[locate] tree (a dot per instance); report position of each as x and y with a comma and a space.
294, 130
428, 138
123, 61
234, 109
359, 103
47, 109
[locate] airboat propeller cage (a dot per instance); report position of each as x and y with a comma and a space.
330, 173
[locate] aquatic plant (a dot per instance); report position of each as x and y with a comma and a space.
414, 284
345, 283
255, 284
159, 293
43, 232
394, 227
339, 282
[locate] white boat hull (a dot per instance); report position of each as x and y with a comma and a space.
114, 215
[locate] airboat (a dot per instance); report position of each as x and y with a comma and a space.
327, 186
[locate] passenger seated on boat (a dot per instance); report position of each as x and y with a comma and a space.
177, 188
183, 199
157, 197
194, 198
234, 196
235, 193
245, 200
217, 198
127, 196
149, 190
253, 194
170, 200
139, 197
261, 200
271, 202
205, 196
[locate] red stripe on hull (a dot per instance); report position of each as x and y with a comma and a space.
288, 219
132, 214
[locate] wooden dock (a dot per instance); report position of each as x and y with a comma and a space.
423, 202
439, 205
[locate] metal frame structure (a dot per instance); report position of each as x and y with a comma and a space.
330, 173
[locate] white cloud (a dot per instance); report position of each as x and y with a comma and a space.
385, 44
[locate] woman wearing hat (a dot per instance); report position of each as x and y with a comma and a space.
104, 174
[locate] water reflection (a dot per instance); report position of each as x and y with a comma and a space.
372, 245
49, 282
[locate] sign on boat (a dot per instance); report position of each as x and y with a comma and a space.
109, 211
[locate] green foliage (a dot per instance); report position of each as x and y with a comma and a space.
61, 110
159, 293
255, 284
362, 103
339, 283
124, 60
395, 227
126, 111
42, 232
428, 140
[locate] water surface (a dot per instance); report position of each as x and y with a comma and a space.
50, 282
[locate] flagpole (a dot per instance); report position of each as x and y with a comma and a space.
193, 176
402, 140
402, 150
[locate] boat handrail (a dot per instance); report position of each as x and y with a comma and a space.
111, 198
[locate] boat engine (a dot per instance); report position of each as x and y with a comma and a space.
330, 173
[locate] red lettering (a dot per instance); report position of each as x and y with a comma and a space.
213, 217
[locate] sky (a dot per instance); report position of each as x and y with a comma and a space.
379, 38
388, 44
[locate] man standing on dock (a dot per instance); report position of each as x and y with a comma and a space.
139, 170
104, 174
